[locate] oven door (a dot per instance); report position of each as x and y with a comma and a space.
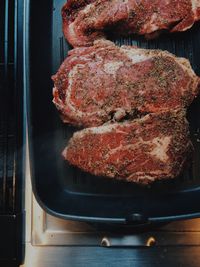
12, 134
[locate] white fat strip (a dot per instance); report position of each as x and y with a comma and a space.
135, 56
151, 172
72, 32
161, 148
143, 176
109, 128
151, 26
151, 176
100, 130
195, 5
87, 8
159, 151
87, 58
112, 67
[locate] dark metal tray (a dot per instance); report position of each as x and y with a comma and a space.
67, 192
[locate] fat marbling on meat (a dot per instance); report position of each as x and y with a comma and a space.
103, 82
87, 20
154, 147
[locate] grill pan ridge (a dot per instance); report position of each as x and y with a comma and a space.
69, 193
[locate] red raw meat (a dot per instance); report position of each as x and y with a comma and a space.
103, 82
151, 148
87, 20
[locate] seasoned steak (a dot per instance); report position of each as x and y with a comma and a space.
88, 20
154, 147
103, 82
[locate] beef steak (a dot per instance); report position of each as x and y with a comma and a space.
151, 148
87, 20
103, 82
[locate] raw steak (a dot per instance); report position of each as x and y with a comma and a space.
103, 82
154, 147
88, 20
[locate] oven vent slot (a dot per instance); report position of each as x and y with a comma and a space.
7, 106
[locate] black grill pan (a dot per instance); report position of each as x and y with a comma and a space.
67, 192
